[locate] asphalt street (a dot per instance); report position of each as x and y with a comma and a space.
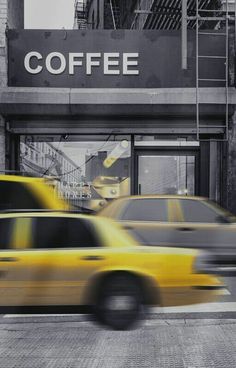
198, 336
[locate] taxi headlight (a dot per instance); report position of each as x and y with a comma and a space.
204, 263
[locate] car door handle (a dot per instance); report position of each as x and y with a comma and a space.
185, 229
8, 259
92, 258
128, 227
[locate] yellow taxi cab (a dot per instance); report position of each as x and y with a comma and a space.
66, 259
20, 192
179, 221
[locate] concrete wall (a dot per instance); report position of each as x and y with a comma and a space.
15, 14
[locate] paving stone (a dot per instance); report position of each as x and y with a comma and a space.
78, 344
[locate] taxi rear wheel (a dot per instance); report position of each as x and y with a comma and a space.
119, 303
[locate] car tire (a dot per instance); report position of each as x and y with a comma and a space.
119, 303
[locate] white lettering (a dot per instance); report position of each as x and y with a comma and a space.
73, 62
62, 66
127, 63
112, 65
108, 62
27, 60
90, 62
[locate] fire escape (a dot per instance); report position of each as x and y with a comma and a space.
115, 13
218, 22
80, 21
209, 18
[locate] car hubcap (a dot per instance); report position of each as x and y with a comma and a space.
120, 303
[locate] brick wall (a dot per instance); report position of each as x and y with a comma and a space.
3, 21
12, 15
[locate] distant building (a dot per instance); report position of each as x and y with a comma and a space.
42, 159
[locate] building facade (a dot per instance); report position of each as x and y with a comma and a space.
129, 102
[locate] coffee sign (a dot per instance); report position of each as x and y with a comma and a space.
113, 63
107, 59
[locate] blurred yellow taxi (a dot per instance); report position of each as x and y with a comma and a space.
65, 259
179, 221
20, 192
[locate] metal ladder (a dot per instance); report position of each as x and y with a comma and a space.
224, 16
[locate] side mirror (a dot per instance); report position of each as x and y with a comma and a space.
223, 219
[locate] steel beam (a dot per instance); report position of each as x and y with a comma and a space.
13, 96
184, 39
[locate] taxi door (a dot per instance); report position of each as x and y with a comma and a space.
64, 252
14, 239
151, 221
49, 261
197, 225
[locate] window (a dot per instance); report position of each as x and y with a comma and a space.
5, 233
63, 232
197, 211
146, 210
17, 196
103, 162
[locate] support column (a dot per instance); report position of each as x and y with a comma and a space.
184, 38
11, 16
2, 145
231, 169
3, 75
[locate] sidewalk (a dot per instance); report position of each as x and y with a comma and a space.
57, 343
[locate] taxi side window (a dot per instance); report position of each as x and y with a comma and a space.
146, 210
62, 232
196, 211
5, 233
17, 196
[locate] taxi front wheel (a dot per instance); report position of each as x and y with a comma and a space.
119, 303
